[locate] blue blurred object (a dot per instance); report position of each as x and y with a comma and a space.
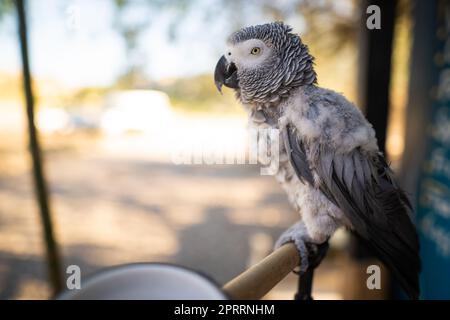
430, 104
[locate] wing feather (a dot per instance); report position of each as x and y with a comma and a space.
361, 185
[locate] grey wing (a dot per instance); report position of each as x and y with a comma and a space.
362, 186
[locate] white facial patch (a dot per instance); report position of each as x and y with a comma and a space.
243, 54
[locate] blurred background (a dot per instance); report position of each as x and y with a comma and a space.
121, 87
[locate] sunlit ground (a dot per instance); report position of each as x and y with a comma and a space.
121, 199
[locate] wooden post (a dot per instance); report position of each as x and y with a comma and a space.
257, 281
54, 268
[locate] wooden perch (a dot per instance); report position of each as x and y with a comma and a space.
258, 280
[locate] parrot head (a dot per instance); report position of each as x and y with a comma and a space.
263, 63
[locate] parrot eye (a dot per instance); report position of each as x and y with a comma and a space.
255, 51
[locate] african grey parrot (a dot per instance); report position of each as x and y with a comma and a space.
333, 171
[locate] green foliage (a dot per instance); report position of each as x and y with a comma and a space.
330, 26
6, 7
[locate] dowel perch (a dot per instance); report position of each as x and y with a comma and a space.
259, 279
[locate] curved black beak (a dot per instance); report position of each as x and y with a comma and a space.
225, 74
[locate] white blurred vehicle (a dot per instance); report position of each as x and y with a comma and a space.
53, 120
143, 111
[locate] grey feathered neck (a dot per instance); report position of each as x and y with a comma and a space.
290, 66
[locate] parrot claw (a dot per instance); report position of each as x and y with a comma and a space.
311, 254
317, 254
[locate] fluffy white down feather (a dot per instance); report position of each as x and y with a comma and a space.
337, 124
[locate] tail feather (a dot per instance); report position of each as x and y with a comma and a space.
403, 262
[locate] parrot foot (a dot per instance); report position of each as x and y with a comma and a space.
311, 254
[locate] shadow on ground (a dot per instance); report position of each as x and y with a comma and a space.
215, 219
